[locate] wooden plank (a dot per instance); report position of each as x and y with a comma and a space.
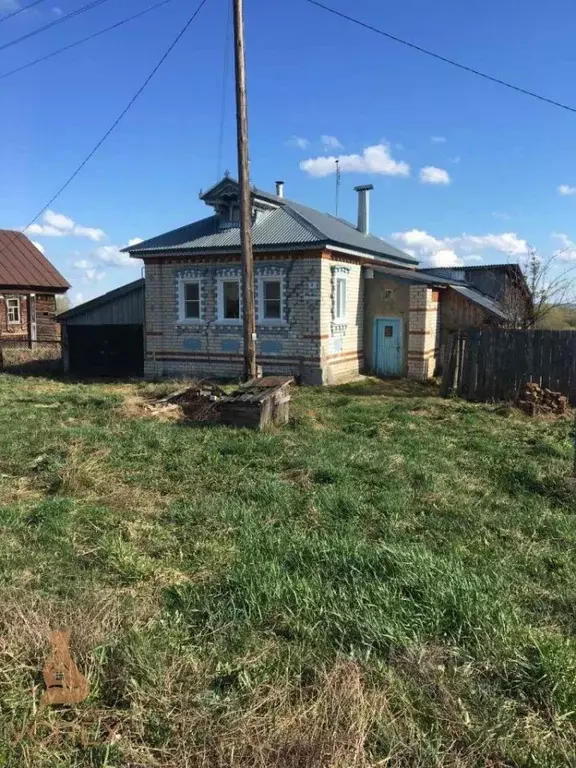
448, 375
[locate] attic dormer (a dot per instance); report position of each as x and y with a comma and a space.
224, 198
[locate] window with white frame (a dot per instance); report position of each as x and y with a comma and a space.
270, 300
340, 298
189, 299
13, 310
229, 301
192, 300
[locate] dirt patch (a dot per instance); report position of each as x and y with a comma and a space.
196, 402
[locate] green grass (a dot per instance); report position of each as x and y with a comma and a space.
389, 580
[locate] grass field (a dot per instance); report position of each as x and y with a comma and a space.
388, 581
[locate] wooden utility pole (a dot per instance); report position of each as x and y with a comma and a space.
245, 199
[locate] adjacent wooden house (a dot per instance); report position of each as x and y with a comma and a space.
29, 284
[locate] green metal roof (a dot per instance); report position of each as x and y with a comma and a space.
288, 224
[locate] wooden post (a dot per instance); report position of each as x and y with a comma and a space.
249, 321
32, 330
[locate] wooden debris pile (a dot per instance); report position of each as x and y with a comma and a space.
199, 402
534, 400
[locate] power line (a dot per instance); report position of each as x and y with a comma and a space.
117, 120
445, 59
21, 10
54, 23
84, 39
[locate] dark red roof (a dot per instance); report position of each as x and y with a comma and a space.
23, 266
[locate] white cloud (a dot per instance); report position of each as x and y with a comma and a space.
438, 139
376, 159
58, 225
58, 221
445, 257
331, 142
432, 175
78, 298
91, 233
508, 243
83, 264
39, 246
565, 190
135, 241
92, 276
454, 251
111, 255
418, 240
299, 142
567, 250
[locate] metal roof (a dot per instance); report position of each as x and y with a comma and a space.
482, 300
100, 301
460, 286
288, 224
417, 276
23, 266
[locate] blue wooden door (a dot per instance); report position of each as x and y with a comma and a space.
388, 351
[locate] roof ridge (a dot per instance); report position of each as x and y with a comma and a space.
303, 220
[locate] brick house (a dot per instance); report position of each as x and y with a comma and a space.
332, 300
29, 285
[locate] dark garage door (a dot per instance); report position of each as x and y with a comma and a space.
106, 350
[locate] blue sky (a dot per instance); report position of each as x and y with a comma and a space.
463, 169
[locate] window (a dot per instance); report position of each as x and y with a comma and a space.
13, 310
270, 299
340, 299
190, 299
388, 331
388, 293
229, 300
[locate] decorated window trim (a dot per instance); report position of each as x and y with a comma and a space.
185, 277
231, 274
339, 300
270, 274
13, 310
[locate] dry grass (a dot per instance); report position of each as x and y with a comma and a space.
388, 581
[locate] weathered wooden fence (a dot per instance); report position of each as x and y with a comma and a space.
495, 364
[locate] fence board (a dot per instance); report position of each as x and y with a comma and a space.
496, 364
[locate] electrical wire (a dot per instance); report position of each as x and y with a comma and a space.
54, 23
84, 39
116, 122
21, 10
439, 57
224, 87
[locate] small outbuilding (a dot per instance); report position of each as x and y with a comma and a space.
105, 336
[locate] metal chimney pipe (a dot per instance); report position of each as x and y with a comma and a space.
364, 207
280, 189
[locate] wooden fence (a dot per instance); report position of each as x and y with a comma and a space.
495, 364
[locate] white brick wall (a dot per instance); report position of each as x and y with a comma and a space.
423, 336
308, 345
342, 344
212, 348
